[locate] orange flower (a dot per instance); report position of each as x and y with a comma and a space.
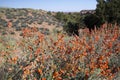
37, 51
87, 46
30, 47
26, 32
114, 37
14, 59
101, 57
35, 78
84, 53
110, 45
108, 71
92, 65
9, 24
27, 71
40, 37
103, 72
43, 78
96, 38
59, 78
8, 46
55, 74
87, 72
111, 77
34, 29
39, 71
36, 42
62, 71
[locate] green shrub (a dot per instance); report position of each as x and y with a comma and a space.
40, 22
24, 25
92, 21
3, 22
4, 33
12, 33
18, 28
72, 28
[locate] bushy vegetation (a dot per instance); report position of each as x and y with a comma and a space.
22, 18
44, 31
92, 21
85, 55
109, 11
3, 23
72, 22
72, 28
92, 56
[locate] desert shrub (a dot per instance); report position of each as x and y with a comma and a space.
29, 22
12, 32
2, 11
92, 21
14, 24
118, 21
41, 29
10, 16
40, 22
92, 56
1, 27
4, 32
57, 26
49, 13
21, 34
53, 23
24, 25
3, 23
72, 28
49, 23
114, 60
88, 54
2, 73
18, 28
44, 31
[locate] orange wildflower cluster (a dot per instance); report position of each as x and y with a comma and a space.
65, 57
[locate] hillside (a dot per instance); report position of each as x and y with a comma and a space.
22, 18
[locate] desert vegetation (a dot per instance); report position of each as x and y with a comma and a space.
36, 56
44, 45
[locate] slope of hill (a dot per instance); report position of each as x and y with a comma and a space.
22, 18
